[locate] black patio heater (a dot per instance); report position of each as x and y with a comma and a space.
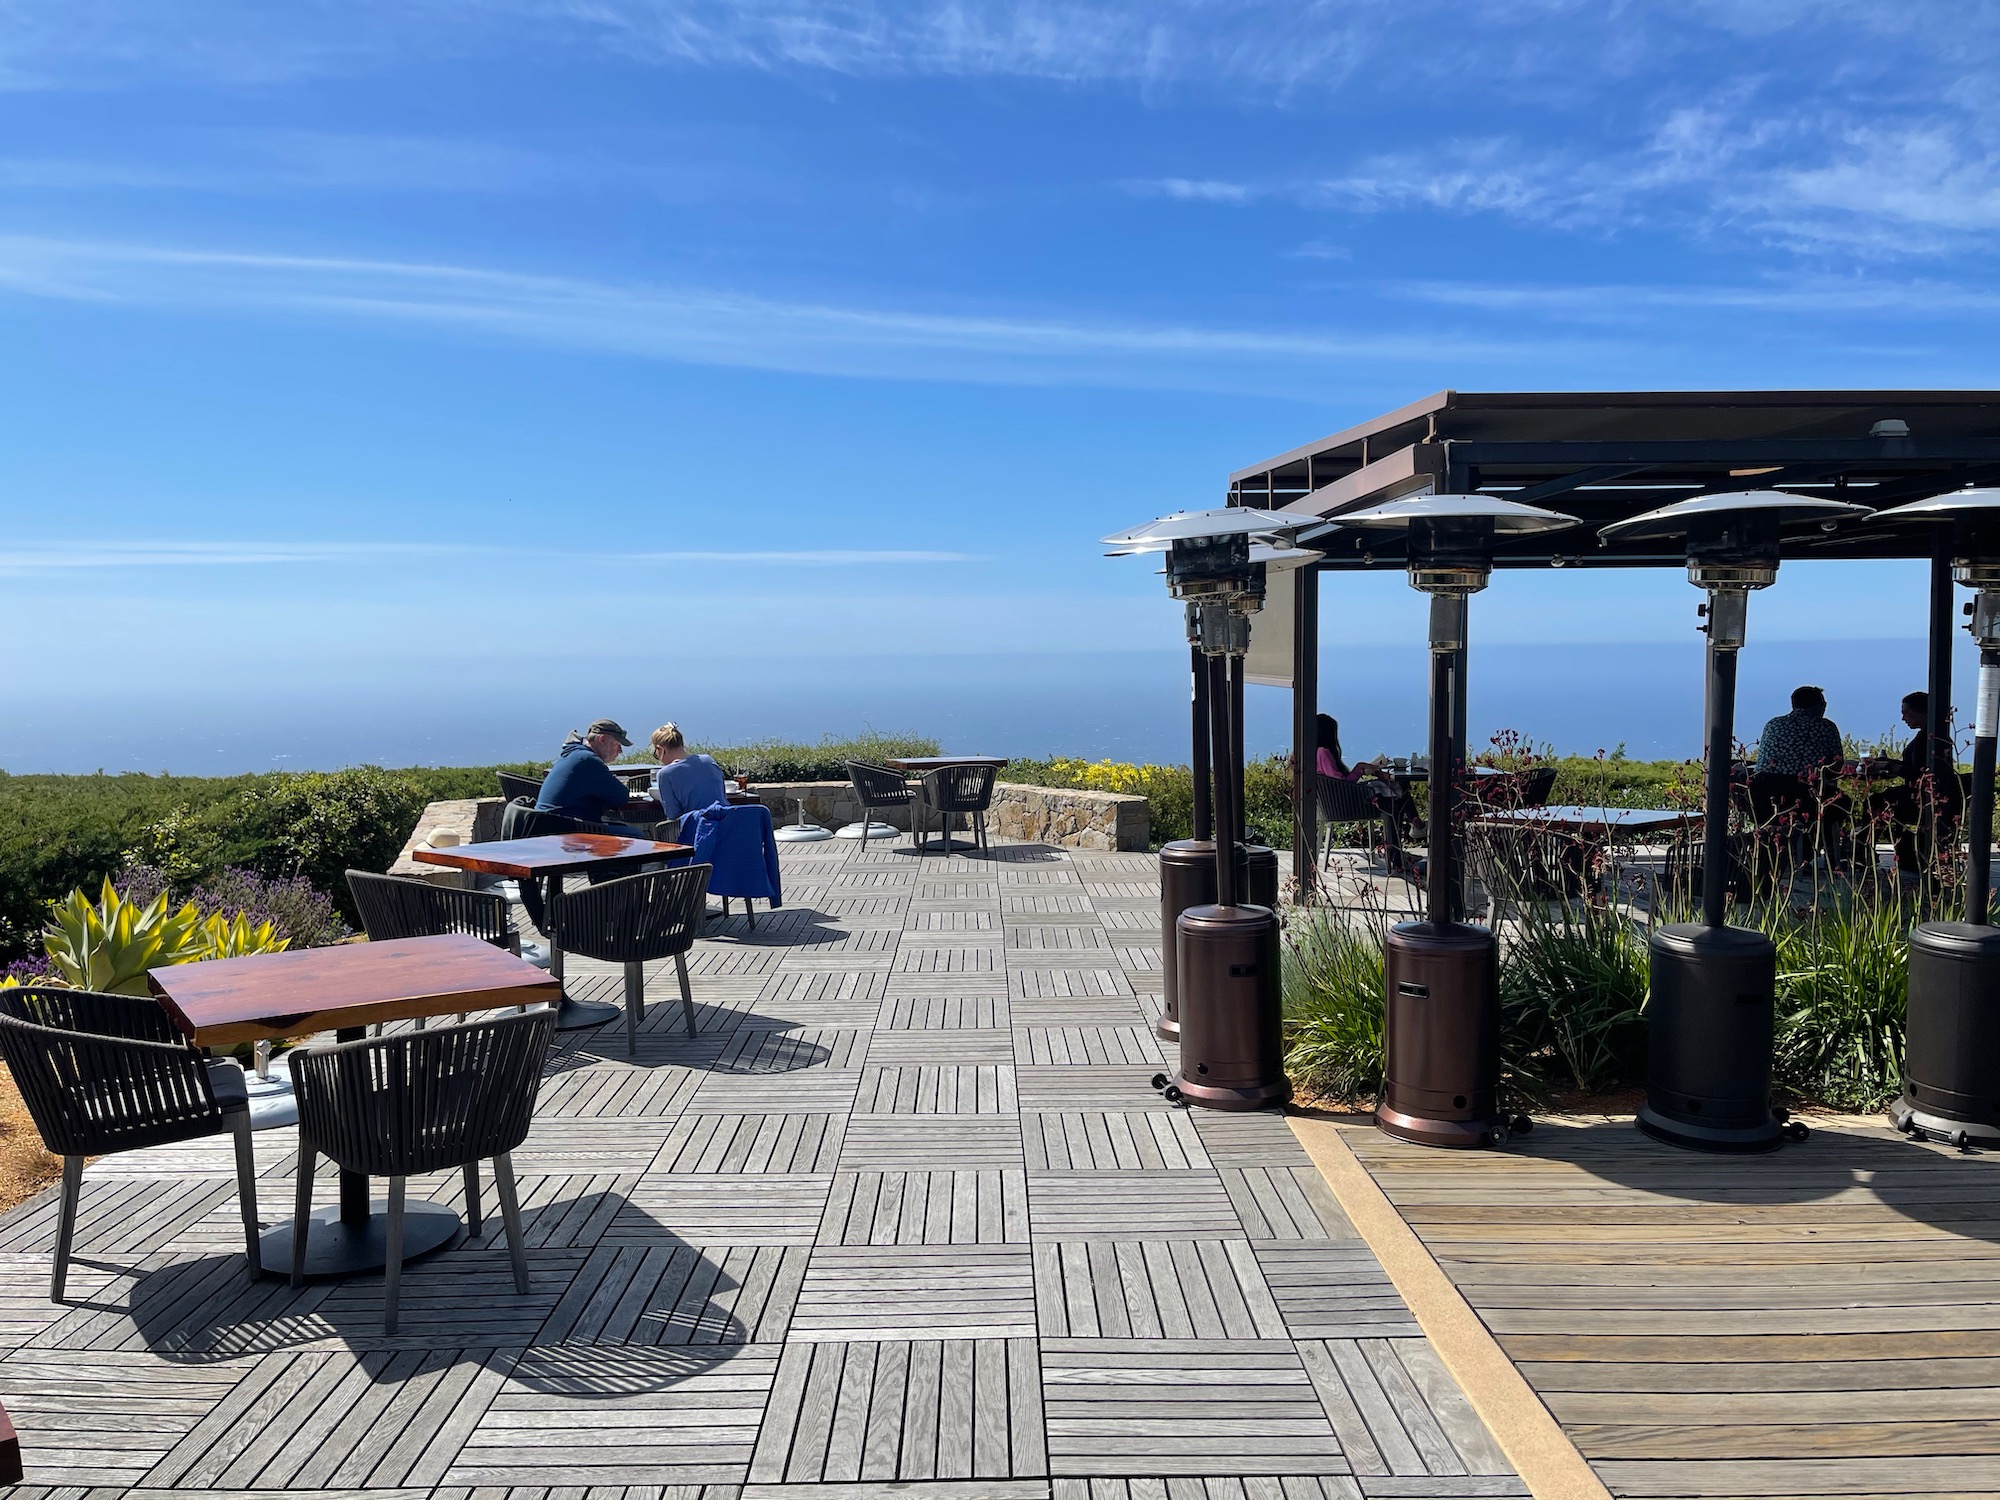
1710, 1014
1951, 1058
1441, 1039
1227, 974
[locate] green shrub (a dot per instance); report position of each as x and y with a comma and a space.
320, 824
1843, 987
781, 760
1333, 1004
1573, 981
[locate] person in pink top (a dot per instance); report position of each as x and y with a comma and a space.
1395, 803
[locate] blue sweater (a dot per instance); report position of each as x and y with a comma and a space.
580, 785
689, 785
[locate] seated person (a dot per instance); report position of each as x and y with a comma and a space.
1395, 803
1804, 743
1905, 808
581, 783
684, 783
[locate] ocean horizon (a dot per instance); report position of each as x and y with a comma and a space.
1129, 706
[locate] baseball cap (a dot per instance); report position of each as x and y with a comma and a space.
611, 727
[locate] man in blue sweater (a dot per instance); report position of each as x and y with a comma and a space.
581, 784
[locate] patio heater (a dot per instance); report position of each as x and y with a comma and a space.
1441, 1035
1951, 1061
1187, 866
1709, 1019
1226, 966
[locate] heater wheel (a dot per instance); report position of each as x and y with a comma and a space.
1496, 1136
1520, 1124
1160, 1080
1796, 1131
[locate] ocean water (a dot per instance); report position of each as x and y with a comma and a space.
1124, 706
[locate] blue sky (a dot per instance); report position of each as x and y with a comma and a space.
382, 359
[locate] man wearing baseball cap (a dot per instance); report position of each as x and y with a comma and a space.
580, 784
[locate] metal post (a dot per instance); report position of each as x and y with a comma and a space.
1979, 804
1440, 878
1460, 760
1305, 725
1715, 802
1942, 760
1204, 807
1236, 797
1227, 827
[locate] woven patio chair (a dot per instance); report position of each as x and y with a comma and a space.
400, 906
107, 1073
879, 786
512, 786
634, 920
421, 1101
950, 790
1341, 801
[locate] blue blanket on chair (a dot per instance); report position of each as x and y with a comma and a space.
739, 843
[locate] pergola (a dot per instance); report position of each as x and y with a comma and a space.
1606, 456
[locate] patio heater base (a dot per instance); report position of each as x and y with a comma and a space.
1708, 1039
1232, 1054
1187, 878
1260, 866
1951, 1068
1441, 1045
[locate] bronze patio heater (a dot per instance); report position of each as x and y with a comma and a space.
1226, 973
1187, 866
1710, 1014
1951, 1059
1441, 1033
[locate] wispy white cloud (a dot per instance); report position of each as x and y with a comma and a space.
66, 557
702, 326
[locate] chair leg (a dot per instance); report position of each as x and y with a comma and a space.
750, 912
472, 1217
392, 1262
246, 1193
687, 991
302, 1207
635, 1005
72, 1189
510, 1218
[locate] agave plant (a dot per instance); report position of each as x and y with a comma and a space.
234, 937
108, 945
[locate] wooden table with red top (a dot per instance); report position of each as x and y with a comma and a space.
345, 989
549, 858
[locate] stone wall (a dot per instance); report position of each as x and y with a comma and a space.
1041, 814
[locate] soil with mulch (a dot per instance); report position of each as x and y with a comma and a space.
25, 1168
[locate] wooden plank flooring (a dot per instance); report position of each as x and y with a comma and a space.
1820, 1321
905, 1212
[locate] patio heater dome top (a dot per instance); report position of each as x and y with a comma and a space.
1959, 505
1192, 525
1704, 511
1501, 517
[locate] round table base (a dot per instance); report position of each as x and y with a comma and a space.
334, 1248
579, 1015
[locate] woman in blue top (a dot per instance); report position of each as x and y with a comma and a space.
684, 783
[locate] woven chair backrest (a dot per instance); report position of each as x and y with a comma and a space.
1537, 785
140, 1018
960, 789
520, 819
423, 1101
396, 906
1342, 801
635, 918
512, 786
91, 1094
878, 786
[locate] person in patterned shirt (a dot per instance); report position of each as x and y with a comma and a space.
1801, 743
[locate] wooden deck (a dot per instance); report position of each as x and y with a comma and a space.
1822, 1321
905, 1213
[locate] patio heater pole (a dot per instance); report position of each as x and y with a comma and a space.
1204, 809
1979, 801
1259, 862
1441, 873
1727, 612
